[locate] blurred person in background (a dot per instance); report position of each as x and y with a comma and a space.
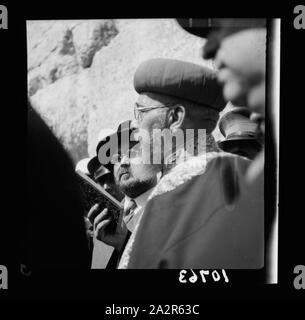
238, 48
53, 233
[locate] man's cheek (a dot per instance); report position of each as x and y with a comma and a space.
245, 51
145, 152
234, 90
256, 99
144, 148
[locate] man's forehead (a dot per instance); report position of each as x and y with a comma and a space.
148, 99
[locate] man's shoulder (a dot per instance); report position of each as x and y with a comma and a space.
221, 158
210, 167
221, 184
210, 206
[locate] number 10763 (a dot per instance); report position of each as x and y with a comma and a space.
186, 276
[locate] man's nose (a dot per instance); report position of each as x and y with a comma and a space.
134, 124
125, 160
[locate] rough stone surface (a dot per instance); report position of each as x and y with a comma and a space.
80, 73
67, 114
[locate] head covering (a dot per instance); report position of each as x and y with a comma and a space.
118, 141
91, 167
96, 169
241, 133
215, 30
236, 125
182, 80
203, 27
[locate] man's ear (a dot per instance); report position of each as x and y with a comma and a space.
176, 117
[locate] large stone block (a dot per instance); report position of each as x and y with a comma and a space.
65, 106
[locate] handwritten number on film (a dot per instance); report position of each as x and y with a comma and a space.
204, 276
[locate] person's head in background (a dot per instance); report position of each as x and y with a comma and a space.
238, 48
100, 174
103, 175
242, 135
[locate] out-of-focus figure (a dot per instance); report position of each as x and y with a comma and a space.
238, 48
53, 232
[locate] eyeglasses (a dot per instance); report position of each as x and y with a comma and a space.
139, 110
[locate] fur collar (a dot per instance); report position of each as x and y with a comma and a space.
184, 171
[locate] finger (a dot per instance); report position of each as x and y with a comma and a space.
120, 219
100, 217
92, 213
101, 227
